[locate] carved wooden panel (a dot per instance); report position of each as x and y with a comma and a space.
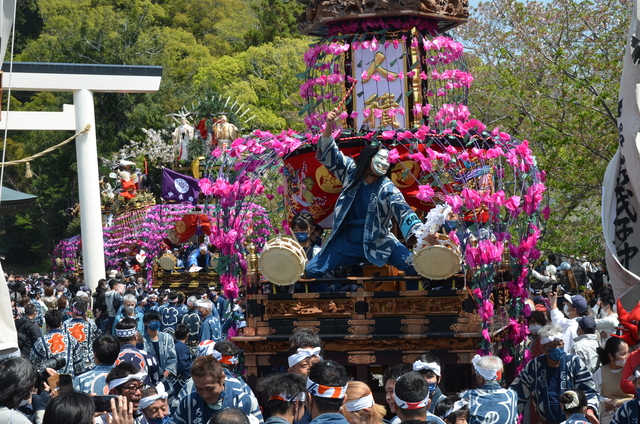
324, 307
414, 329
415, 306
263, 361
361, 329
362, 359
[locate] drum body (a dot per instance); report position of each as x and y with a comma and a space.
282, 261
168, 262
438, 261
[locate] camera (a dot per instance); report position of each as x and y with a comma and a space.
57, 362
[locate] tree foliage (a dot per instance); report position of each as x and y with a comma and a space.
549, 73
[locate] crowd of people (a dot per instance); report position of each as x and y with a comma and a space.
161, 357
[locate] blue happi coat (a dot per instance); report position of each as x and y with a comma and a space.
57, 343
94, 381
379, 242
627, 413
85, 332
192, 409
141, 359
492, 403
168, 360
210, 329
532, 383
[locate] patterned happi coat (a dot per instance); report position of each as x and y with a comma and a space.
532, 383
168, 360
192, 409
141, 359
56, 343
492, 404
627, 413
379, 242
85, 332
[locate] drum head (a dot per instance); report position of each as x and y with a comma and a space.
436, 262
167, 262
281, 264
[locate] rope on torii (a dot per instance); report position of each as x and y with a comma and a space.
26, 160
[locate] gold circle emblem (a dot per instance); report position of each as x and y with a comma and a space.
181, 227
327, 181
405, 173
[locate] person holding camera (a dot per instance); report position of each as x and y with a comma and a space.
18, 377
79, 408
58, 345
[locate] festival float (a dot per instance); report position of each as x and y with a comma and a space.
400, 80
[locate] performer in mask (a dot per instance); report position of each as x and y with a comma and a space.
362, 221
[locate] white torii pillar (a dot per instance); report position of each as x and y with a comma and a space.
83, 81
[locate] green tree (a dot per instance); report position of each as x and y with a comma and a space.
549, 73
276, 18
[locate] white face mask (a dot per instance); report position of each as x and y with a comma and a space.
621, 362
380, 163
533, 329
565, 309
128, 309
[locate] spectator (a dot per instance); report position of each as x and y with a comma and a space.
537, 320
586, 344
574, 307
129, 311
389, 378
286, 395
326, 387
360, 407
453, 410
609, 323
574, 405
58, 344
490, 402
211, 393
18, 377
105, 351
428, 366
78, 408
28, 330
159, 344
543, 377
83, 330
607, 378
412, 398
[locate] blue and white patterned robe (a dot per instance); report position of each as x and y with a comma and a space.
57, 343
211, 329
532, 383
94, 381
627, 413
192, 409
141, 359
379, 242
491, 403
168, 360
85, 332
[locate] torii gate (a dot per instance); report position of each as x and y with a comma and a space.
83, 80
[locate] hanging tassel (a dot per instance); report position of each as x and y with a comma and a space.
28, 173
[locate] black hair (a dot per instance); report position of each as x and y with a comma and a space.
126, 324
363, 165
428, 357
30, 309
445, 404
181, 297
227, 348
18, 376
610, 347
182, 332
303, 220
113, 283
69, 408
412, 387
305, 338
229, 416
567, 399
122, 370
395, 372
151, 316
106, 348
53, 318
539, 317
331, 374
289, 384
607, 297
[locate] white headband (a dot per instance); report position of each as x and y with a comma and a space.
126, 333
328, 392
206, 348
120, 381
147, 401
457, 406
551, 338
632, 377
489, 374
359, 404
402, 404
419, 365
575, 401
303, 354
286, 398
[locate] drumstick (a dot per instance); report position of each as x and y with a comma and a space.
348, 94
